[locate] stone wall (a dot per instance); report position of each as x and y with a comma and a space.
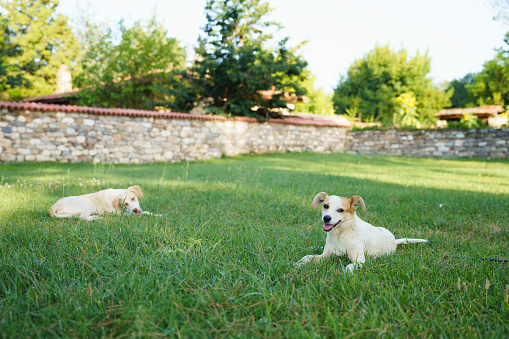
85, 137
477, 143
126, 136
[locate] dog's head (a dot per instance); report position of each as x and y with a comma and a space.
129, 200
337, 210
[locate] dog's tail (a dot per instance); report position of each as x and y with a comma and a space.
409, 241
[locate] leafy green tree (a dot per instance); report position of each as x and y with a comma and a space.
234, 62
502, 8
88, 33
128, 71
319, 102
44, 40
408, 110
373, 83
491, 85
11, 76
461, 96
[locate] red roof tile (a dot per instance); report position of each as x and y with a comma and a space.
33, 106
51, 97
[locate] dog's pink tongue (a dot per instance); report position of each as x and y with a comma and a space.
327, 227
139, 212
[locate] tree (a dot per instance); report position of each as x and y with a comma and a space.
88, 33
502, 8
11, 76
127, 73
234, 62
44, 40
491, 85
461, 96
408, 110
373, 83
319, 102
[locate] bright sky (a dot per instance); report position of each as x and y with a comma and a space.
459, 35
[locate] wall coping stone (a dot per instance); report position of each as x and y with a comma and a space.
34, 106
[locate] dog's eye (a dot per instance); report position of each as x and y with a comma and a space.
326, 206
126, 204
132, 199
341, 210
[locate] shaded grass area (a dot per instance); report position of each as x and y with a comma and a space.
219, 261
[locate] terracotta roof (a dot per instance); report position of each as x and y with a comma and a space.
64, 97
52, 98
331, 117
290, 98
482, 112
33, 106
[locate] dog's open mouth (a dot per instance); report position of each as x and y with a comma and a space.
328, 227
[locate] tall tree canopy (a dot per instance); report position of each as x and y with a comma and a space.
234, 62
11, 75
124, 68
373, 84
502, 8
491, 85
462, 96
319, 101
43, 39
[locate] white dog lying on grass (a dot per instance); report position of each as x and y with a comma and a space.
105, 201
347, 233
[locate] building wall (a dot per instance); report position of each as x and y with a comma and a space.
83, 137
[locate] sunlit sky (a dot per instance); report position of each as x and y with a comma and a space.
459, 35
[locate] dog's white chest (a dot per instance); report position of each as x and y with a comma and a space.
334, 244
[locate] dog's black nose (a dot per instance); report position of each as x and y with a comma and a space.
327, 218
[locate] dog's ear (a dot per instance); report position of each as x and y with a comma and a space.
319, 198
136, 190
355, 201
117, 203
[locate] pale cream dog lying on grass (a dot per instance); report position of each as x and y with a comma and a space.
347, 233
105, 201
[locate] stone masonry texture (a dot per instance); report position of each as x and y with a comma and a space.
82, 137
475, 143
61, 136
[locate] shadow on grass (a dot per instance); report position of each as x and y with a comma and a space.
406, 195
220, 257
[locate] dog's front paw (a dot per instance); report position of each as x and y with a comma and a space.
350, 268
303, 261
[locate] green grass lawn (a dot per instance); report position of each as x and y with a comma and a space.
219, 262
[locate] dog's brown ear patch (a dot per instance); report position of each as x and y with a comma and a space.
319, 198
136, 190
355, 201
117, 203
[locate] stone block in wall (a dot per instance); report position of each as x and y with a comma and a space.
88, 122
35, 141
6, 143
